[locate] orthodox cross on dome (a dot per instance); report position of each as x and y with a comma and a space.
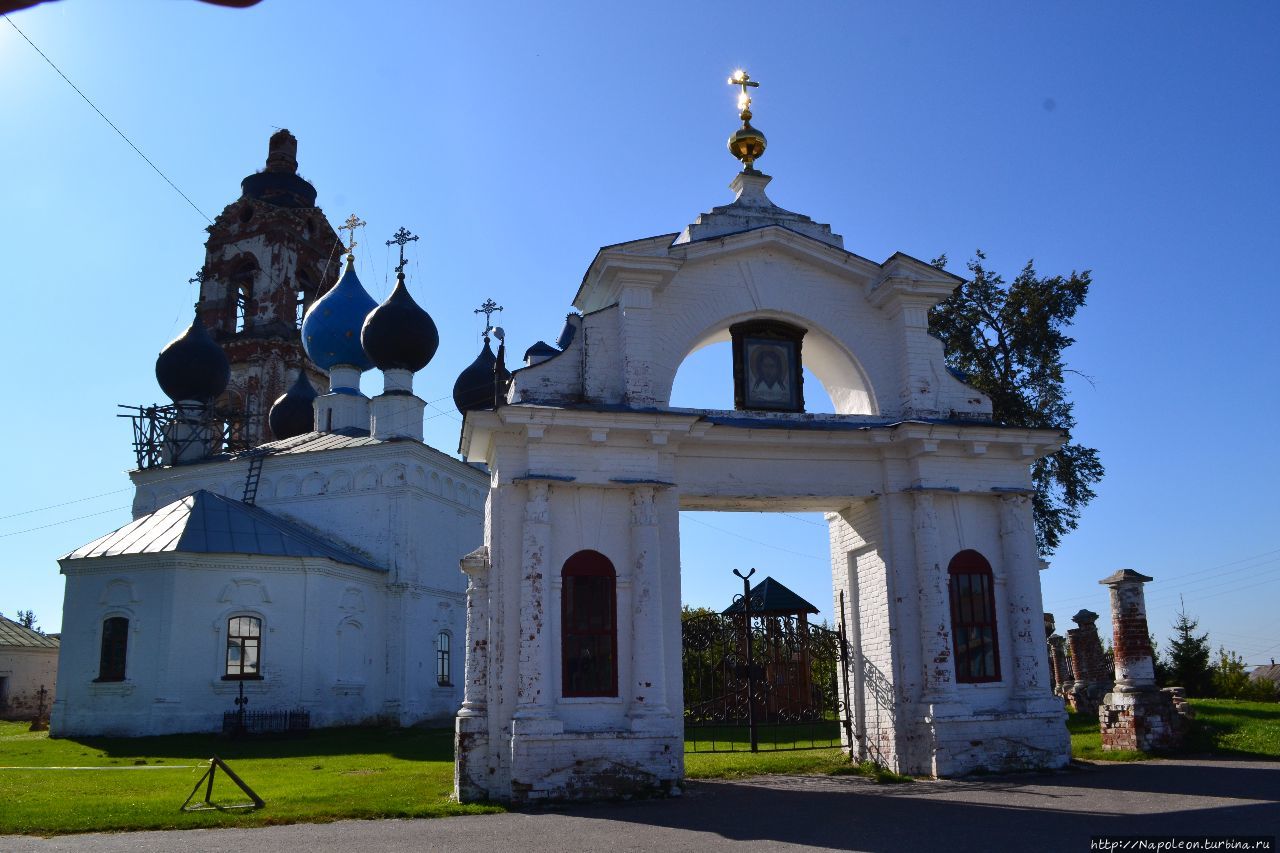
488, 309
353, 222
747, 144
743, 79
402, 236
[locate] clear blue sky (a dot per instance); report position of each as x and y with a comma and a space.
1135, 140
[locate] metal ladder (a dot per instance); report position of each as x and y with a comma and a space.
254, 475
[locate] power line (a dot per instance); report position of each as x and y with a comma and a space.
754, 541
109, 121
64, 521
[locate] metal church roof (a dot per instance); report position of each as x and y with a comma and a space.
13, 634
205, 523
769, 596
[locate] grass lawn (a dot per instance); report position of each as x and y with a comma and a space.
1225, 727
329, 774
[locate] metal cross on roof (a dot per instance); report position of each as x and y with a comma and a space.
353, 222
200, 276
402, 236
743, 79
488, 309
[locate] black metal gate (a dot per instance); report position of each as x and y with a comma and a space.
763, 682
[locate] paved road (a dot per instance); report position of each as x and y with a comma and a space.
1040, 812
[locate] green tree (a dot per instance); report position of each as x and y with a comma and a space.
1231, 680
1189, 657
1008, 339
27, 619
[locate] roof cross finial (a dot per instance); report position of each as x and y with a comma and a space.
488, 309
743, 79
201, 276
353, 222
402, 236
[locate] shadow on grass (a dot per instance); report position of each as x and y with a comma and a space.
413, 744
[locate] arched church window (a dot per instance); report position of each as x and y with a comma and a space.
767, 373
115, 649
242, 308
973, 618
589, 625
442, 659
244, 647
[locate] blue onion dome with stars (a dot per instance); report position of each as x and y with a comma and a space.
331, 329
293, 412
398, 334
193, 366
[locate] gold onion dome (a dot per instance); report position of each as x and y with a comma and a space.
748, 143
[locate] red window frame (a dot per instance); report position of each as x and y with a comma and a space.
974, 633
589, 626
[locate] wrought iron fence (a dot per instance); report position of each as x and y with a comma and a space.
238, 723
760, 683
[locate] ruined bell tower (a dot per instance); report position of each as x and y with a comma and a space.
269, 256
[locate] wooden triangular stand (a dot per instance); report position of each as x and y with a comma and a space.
214, 764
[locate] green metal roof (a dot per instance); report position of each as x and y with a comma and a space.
13, 634
769, 596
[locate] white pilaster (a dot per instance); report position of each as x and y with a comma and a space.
533, 700
1022, 574
935, 605
648, 688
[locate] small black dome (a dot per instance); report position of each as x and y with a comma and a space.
474, 388
398, 335
541, 351
293, 413
193, 366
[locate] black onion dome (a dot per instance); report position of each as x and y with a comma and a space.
399, 335
293, 413
474, 388
193, 366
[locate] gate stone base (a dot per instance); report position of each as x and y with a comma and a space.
999, 743
589, 765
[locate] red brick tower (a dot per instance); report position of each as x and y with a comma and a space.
270, 254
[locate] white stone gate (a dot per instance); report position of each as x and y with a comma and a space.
927, 502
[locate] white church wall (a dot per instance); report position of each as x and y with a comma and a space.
322, 644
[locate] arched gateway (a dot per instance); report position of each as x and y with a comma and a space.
573, 680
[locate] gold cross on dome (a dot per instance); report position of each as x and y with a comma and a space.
402, 236
743, 79
353, 222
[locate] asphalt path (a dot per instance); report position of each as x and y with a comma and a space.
1034, 812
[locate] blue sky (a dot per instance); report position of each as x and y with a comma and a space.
1135, 140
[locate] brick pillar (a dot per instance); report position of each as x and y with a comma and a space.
935, 605
1136, 714
1088, 663
1134, 664
1058, 664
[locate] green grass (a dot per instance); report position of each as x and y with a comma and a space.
327, 775
816, 735
1226, 727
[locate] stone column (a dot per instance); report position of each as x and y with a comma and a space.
1058, 663
649, 686
1088, 663
475, 689
1134, 664
1018, 547
935, 605
533, 700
